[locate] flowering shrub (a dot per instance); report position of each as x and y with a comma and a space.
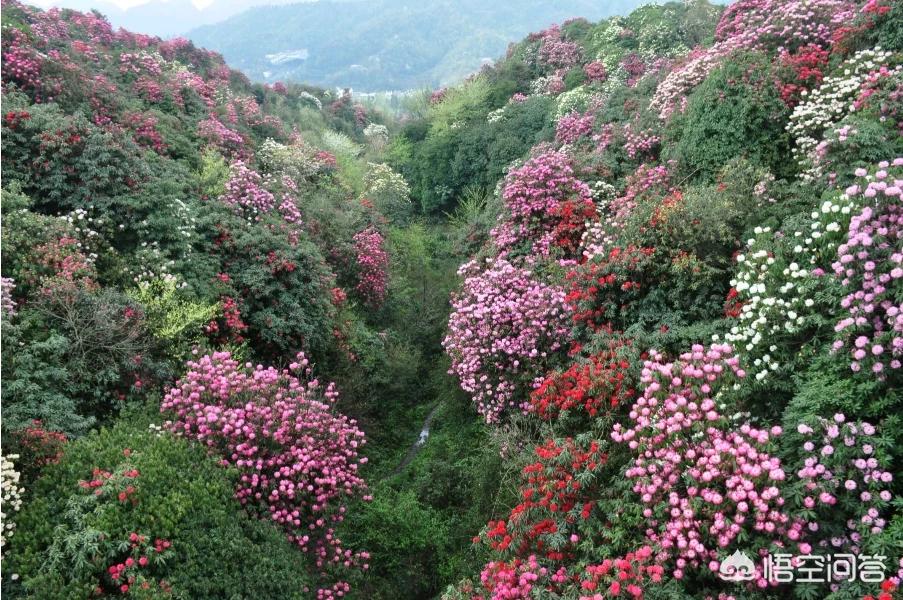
603, 289
783, 287
804, 71
647, 182
558, 493
86, 539
754, 25
595, 71
228, 142
572, 127
513, 580
533, 195
372, 265
12, 496
594, 386
622, 577
838, 96
61, 265
870, 268
302, 466
245, 192
299, 161
388, 190
7, 304
504, 326
639, 143
39, 448
842, 484
554, 51
701, 479
377, 135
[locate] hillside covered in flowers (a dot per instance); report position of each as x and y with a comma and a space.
637, 287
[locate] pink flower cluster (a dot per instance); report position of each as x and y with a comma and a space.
245, 191
7, 304
21, 64
144, 131
842, 476
756, 25
139, 64
641, 142
574, 126
703, 481
870, 268
297, 457
289, 210
533, 196
229, 142
148, 89
502, 330
635, 68
555, 51
595, 71
372, 266
513, 580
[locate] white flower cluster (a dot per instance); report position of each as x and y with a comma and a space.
154, 265
834, 99
12, 495
496, 115
377, 135
778, 280
340, 144
312, 99
82, 223
602, 192
297, 161
381, 180
575, 100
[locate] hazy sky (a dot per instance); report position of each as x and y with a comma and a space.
127, 4
161, 17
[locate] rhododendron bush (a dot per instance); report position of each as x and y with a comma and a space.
504, 328
298, 459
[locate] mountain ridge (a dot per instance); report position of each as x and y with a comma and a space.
368, 46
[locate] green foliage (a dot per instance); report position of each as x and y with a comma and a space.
81, 354
735, 112
214, 174
181, 496
283, 284
171, 317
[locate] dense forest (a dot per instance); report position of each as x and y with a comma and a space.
620, 316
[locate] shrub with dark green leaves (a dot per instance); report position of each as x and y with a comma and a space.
132, 479
737, 111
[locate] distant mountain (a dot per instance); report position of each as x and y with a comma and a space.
374, 45
165, 18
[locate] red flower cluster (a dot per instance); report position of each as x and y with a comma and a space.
553, 500
603, 288
621, 577
804, 71
571, 217
230, 327
733, 306
41, 446
13, 118
888, 588
132, 575
593, 386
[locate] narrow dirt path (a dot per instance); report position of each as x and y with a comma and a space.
419, 443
